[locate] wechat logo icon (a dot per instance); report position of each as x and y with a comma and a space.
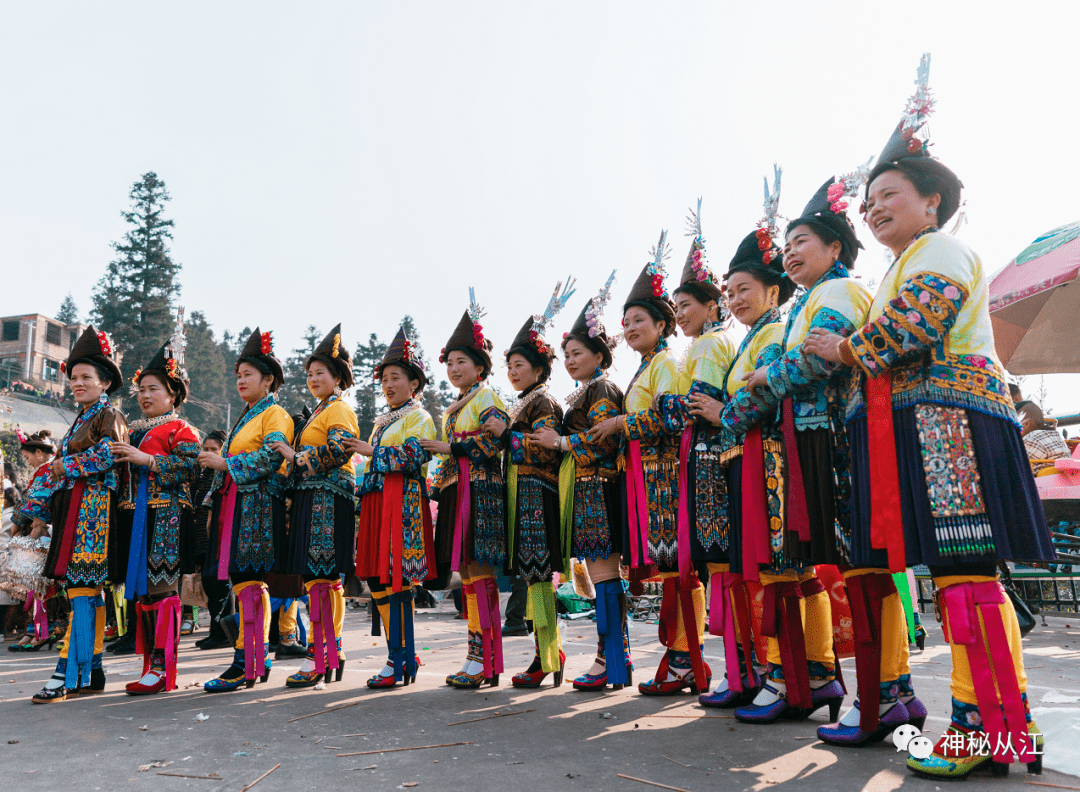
909, 738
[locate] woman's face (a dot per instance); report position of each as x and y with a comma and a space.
154, 398
807, 257
461, 370
320, 381
691, 315
85, 383
252, 384
35, 457
640, 330
749, 298
397, 387
580, 361
521, 373
896, 212
211, 446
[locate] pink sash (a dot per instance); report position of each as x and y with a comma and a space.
755, 506
166, 636
254, 638
225, 527
487, 607
324, 641
686, 568
962, 627
36, 607
637, 508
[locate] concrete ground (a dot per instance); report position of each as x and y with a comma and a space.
561, 740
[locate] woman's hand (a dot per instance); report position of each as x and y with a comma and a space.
56, 469
435, 446
706, 407
495, 426
545, 437
284, 449
824, 344
355, 445
208, 459
757, 382
125, 452
609, 427
38, 528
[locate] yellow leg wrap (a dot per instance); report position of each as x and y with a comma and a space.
680, 644
287, 619
540, 609
817, 624
894, 637
962, 686
474, 613
774, 643
240, 607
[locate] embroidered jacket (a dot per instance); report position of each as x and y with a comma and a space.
252, 463
601, 400
762, 345
321, 460
929, 324
464, 431
86, 453
35, 504
835, 303
176, 445
658, 374
531, 459
707, 362
397, 449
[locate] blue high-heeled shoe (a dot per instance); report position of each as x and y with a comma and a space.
855, 737
235, 679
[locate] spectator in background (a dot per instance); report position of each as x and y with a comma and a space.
217, 591
1041, 439
1014, 392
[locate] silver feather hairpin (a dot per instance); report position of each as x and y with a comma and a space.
772, 200
659, 255
555, 304
921, 104
596, 308
177, 345
475, 311
693, 222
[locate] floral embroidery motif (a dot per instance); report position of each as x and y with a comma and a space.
592, 527
531, 552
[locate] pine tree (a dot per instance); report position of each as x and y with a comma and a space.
69, 312
294, 394
210, 378
230, 347
369, 398
133, 301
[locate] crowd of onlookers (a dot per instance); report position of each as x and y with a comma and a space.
21, 389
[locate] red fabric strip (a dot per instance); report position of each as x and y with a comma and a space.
797, 516
225, 526
686, 568
71, 525
637, 507
429, 539
884, 473
393, 499
755, 505
464, 511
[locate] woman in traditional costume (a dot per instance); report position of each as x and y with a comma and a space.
247, 525
80, 503
322, 519
652, 482
537, 548
395, 538
162, 465
470, 535
807, 393
936, 450
37, 451
593, 505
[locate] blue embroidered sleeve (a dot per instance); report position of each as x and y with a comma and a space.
97, 458
744, 409
675, 412
645, 425
586, 452
482, 447
328, 457
179, 467
36, 504
524, 451
793, 371
408, 458
917, 318
250, 467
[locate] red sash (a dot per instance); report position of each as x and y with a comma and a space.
885, 516
71, 525
796, 514
755, 505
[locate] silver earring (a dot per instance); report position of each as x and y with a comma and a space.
930, 210
337, 390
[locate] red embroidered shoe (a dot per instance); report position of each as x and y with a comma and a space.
661, 685
534, 674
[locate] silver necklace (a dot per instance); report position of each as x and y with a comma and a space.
579, 391
388, 418
146, 424
524, 402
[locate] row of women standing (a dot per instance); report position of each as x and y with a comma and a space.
869, 431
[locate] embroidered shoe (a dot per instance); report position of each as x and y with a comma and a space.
947, 763
726, 698
153, 681
855, 737
661, 685
534, 675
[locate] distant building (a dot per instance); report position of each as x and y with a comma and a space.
31, 349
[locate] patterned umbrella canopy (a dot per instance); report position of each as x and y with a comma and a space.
1035, 305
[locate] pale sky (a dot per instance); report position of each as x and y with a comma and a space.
357, 161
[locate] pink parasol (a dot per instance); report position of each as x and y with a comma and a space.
1035, 303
